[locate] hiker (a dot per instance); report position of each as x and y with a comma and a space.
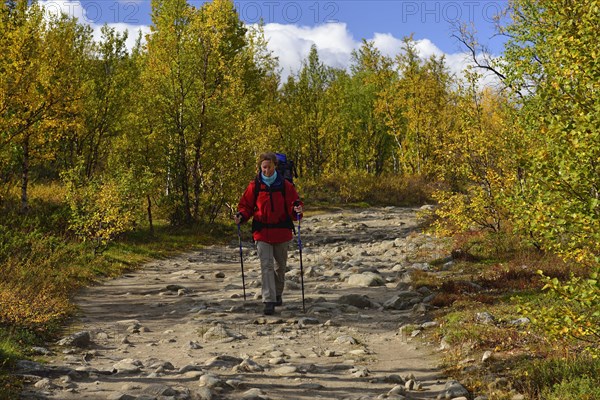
273, 204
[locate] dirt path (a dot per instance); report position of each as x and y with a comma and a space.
180, 328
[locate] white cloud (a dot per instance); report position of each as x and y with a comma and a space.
387, 44
90, 16
426, 49
290, 43
391, 46
132, 32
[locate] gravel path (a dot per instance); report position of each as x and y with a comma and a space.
180, 328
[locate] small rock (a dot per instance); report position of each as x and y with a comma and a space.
356, 300
42, 351
202, 393
79, 339
345, 340
160, 390
521, 321
248, 365
121, 396
486, 356
397, 390
44, 384
287, 370
210, 381
359, 372
485, 318
254, 394
453, 389
366, 279
308, 321
128, 366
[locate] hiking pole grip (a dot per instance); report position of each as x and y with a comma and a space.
301, 267
241, 260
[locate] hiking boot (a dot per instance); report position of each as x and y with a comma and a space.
269, 308
279, 301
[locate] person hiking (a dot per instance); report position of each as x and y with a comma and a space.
273, 204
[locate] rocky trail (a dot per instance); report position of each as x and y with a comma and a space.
180, 329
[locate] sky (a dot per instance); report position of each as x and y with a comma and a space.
335, 27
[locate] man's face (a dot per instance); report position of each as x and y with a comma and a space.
267, 168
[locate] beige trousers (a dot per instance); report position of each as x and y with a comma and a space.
273, 261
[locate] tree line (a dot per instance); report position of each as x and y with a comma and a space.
172, 128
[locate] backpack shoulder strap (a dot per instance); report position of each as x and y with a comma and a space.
256, 188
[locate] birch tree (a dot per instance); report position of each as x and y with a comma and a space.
200, 74
41, 83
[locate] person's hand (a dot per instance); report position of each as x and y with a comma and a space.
238, 218
298, 209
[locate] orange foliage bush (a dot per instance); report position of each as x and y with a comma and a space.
19, 306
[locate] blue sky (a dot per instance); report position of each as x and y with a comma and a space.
335, 27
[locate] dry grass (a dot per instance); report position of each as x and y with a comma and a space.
494, 277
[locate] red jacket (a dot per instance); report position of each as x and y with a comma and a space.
271, 213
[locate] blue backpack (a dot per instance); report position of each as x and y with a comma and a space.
286, 167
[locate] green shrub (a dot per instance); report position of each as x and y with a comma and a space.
571, 312
584, 388
102, 209
360, 187
10, 351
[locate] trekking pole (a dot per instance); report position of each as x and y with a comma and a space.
242, 260
301, 267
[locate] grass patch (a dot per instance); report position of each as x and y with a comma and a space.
12, 345
10, 351
33, 303
585, 388
420, 278
467, 322
569, 378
